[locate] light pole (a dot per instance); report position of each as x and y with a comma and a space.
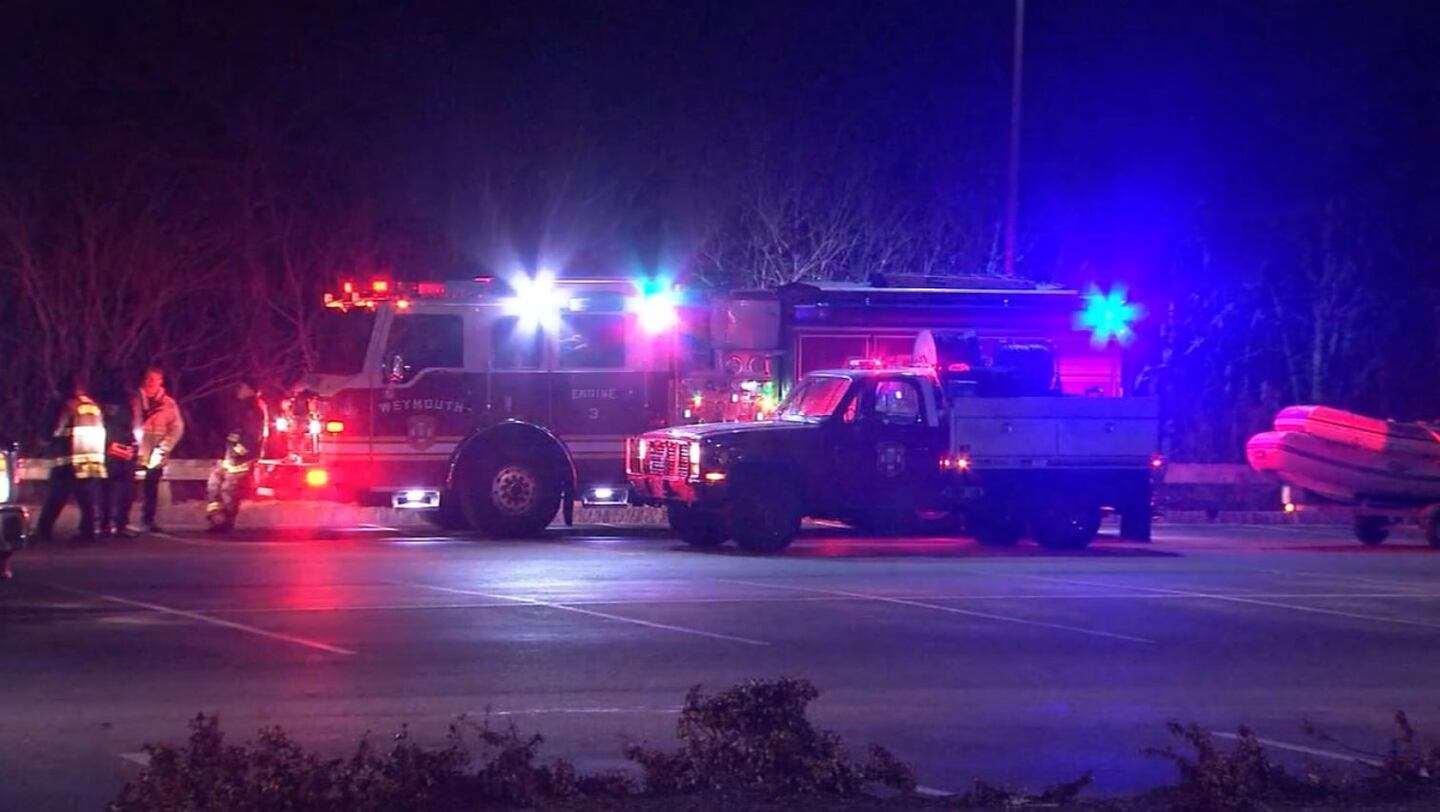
1012, 181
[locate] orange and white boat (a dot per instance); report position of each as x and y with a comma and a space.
1350, 458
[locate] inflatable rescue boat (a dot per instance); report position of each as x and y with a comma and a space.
1350, 458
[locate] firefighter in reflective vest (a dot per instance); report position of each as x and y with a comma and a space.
234, 474
78, 443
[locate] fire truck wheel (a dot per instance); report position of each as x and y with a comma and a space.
450, 515
511, 497
1066, 526
1374, 530
698, 528
765, 513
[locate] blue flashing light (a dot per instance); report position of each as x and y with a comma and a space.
1108, 316
656, 305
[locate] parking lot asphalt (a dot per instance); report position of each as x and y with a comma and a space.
1015, 665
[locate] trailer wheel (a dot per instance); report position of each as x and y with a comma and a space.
1373, 530
1066, 527
1430, 525
511, 496
765, 513
997, 526
450, 515
696, 527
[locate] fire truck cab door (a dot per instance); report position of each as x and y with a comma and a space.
886, 445
425, 401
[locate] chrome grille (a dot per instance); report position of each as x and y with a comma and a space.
667, 458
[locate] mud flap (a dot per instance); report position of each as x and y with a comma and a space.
567, 505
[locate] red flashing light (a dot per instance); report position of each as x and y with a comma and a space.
334, 427
430, 288
866, 363
959, 367
317, 477
1157, 461
380, 286
348, 287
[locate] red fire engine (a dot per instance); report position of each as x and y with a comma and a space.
491, 404
485, 404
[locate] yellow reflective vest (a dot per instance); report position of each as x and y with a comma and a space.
81, 432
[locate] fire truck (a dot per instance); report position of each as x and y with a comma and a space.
493, 404
484, 403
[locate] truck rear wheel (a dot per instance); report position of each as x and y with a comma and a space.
510, 496
1067, 527
696, 527
765, 513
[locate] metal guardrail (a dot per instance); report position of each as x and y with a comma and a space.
175, 470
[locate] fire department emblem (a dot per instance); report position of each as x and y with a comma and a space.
890, 458
421, 431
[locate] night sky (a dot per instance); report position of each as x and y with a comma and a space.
614, 132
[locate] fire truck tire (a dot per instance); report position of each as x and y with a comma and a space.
450, 515
765, 513
697, 528
511, 496
1063, 526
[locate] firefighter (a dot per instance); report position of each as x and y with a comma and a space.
78, 446
161, 427
233, 475
117, 489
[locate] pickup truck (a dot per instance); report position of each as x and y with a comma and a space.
892, 450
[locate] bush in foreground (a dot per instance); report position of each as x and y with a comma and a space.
756, 737
751, 746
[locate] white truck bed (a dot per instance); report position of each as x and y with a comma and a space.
1055, 432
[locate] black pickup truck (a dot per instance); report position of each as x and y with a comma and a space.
891, 450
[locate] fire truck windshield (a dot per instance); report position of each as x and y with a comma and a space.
340, 340
814, 399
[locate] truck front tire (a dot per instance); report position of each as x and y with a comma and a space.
765, 514
997, 523
696, 527
511, 495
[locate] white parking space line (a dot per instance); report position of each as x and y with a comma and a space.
948, 610
590, 612
1245, 599
213, 621
1300, 748
752, 600
1351, 579
584, 711
191, 542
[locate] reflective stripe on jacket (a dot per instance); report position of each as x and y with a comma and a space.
81, 431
